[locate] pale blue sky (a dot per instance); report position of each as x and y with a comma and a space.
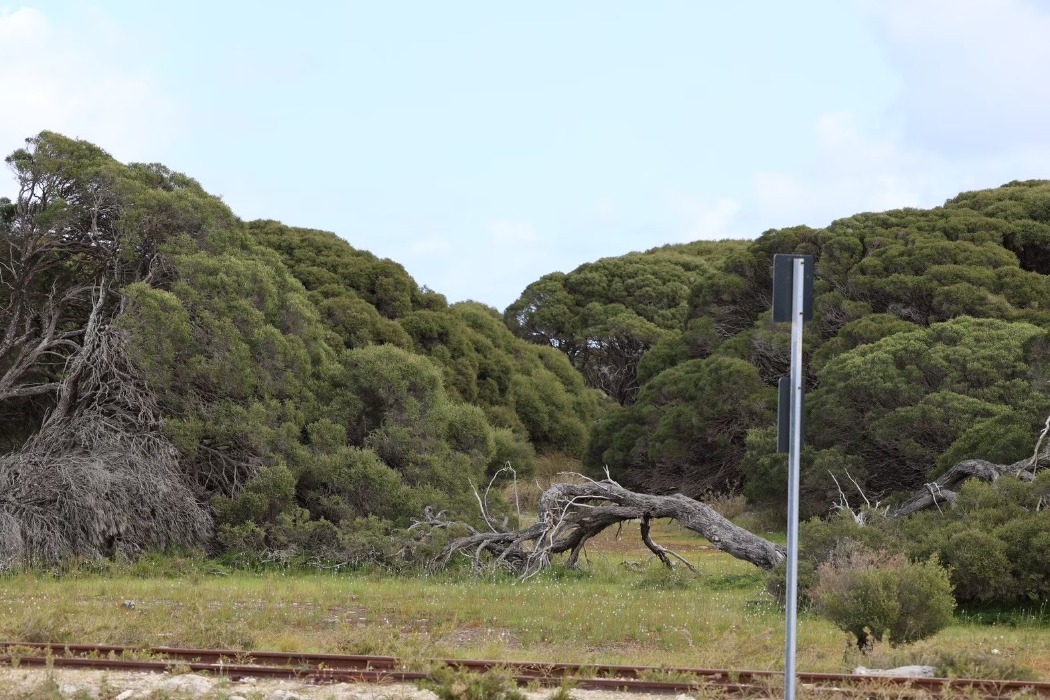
484, 144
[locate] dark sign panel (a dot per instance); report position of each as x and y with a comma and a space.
784, 286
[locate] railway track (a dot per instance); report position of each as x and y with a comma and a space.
330, 668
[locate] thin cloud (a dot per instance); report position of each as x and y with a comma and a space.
973, 73
706, 219
60, 80
969, 113
852, 171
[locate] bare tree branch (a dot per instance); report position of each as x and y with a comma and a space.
661, 553
99, 478
945, 489
571, 514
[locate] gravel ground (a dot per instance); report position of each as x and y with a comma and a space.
43, 684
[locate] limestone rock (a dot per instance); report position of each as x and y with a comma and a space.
191, 684
900, 671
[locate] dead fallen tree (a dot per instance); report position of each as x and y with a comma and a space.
571, 514
946, 488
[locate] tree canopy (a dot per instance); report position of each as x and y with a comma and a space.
300, 390
928, 345
259, 388
605, 316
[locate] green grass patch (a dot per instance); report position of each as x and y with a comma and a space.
605, 612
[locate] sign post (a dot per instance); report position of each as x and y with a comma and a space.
792, 301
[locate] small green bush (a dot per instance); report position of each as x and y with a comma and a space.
995, 542
875, 595
819, 540
451, 684
980, 569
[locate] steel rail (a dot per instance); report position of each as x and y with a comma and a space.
333, 675
362, 668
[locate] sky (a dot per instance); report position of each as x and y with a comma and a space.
484, 144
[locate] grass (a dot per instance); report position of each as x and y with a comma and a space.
608, 613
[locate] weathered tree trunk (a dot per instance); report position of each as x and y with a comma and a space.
946, 488
571, 514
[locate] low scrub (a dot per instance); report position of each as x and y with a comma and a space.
994, 544
876, 596
449, 684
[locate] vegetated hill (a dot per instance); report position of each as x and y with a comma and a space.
173, 376
928, 346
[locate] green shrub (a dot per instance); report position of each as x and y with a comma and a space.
514, 450
875, 595
451, 684
994, 542
818, 541
243, 544
979, 567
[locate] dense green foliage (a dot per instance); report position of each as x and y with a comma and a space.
313, 396
526, 391
697, 405
311, 391
605, 316
994, 542
928, 345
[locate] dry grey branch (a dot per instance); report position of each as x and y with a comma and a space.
570, 514
946, 488
99, 479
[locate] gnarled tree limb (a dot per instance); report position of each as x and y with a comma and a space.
945, 489
571, 514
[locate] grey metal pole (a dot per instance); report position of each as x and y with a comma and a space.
794, 457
